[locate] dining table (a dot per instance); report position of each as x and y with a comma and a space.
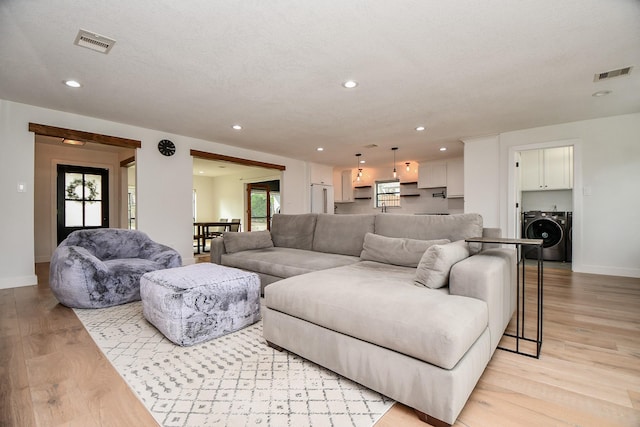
202, 232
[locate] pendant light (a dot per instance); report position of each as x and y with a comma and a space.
408, 166
359, 175
395, 174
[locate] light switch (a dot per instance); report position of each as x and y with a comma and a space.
22, 187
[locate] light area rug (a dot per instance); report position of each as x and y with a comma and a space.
234, 380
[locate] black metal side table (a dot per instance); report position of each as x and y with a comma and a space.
520, 295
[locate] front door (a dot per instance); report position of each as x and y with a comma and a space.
82, 199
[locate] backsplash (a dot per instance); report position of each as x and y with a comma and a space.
424, 204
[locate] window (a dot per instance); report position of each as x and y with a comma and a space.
387, 193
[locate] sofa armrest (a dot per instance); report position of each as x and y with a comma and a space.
489, 276
217, 250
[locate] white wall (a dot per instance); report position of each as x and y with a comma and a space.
482, 178
164, 184
550, 200
607, 172
206, 199
228, 193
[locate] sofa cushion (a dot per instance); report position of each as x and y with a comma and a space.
397, 251
435, 265
236, 242
342, 234
429, 227
285, 262
378, 303
293, 231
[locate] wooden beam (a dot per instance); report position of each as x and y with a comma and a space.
79, 135
237, 160
126, 162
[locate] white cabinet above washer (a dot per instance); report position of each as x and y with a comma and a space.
547, 169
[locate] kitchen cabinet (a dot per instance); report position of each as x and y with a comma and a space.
432, 175
345, 193
546, 169
455, 178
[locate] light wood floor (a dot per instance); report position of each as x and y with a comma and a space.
51, 372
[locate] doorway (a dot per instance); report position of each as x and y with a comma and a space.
263, 201
82, 199
547, 191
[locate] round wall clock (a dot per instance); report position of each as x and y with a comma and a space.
166, 147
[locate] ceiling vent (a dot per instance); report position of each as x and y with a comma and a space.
371, 146
613, 73
94, 41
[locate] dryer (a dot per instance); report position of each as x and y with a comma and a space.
551, 227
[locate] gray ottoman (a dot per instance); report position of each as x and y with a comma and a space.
199, 302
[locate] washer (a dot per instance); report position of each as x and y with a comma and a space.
550, 227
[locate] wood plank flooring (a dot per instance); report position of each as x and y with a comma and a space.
51, 372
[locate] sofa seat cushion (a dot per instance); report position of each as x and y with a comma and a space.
285, 262
379, 303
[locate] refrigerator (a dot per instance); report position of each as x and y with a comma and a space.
322, 198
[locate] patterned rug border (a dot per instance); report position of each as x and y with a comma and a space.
235, 380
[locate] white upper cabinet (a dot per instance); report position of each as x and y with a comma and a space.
346, 193
432, 175
548, 169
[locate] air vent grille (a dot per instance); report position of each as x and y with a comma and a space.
94, 41
371, 146
613, 73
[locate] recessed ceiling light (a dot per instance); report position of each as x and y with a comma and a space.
443, 148
420, 128
237, 127
319, 149
72, 83
201, 172
363, 161
350, 84
601, 93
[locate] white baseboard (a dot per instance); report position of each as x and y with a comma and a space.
18, 282
606, 270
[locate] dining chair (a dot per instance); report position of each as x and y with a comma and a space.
236, 226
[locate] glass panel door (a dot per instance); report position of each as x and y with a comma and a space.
259, 203
83, 199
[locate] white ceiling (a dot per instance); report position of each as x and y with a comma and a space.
461, 68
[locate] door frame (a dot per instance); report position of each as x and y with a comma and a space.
257, 186
513, 188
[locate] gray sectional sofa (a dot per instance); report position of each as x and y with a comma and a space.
398, 303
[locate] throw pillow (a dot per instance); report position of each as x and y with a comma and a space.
435, 265
246, 241
396, 251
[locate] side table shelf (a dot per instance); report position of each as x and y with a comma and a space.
520, 334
